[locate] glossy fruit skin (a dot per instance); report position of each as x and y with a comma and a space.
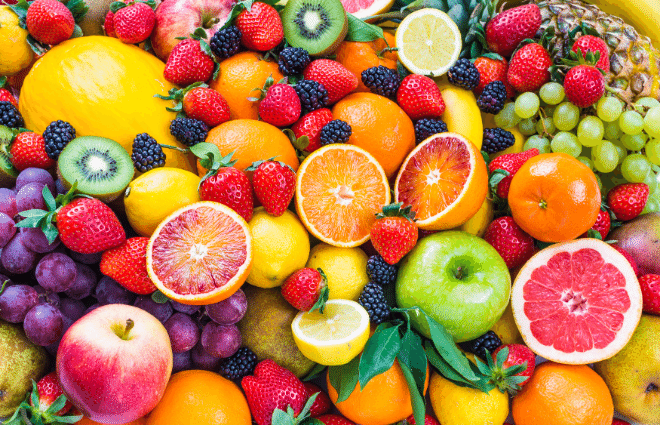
302, 288
28, 150
261, 27
231, 187
206, 105
628, 200
511, 242
322, 403
274, 185
507, 29
49, 21
357, 56
88, 226
393, 237
334, 420
428, 420
310, 125
510, 162
16, 52
602, 225
6, 96
590, 43
519, 354
584, 85
109, 24
188, 64
336, 79
650, 285
492, 70
134, 24
420, 97
528, 69
127, 264
281, 106
629, 257
48, 389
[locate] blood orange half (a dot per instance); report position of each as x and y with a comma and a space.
364, 8
577, 302
200, 254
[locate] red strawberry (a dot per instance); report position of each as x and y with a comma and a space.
420, 97
206, 105
593, 44
229, 186
628, 200
322, 403
528, 69
650, 284
274, 185
510, 241
281, 106
127, 264
510, 163
109, 24
310, 125
619, 422
336, 79
5, 95
49, 21
507, 29
304, 288
272, 387
334, 420
629, 257
428, 420
88, 226
492, 70
134, 23
584, 85
28, 150
188, 63
261, 27
395, 233
602, 225
48, 390
518, 355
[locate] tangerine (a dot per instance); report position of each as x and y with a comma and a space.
357, 56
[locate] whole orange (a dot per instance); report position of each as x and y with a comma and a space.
554, 197
87, 421
195, 397
561, 394
357, 56
239, 76
378, 126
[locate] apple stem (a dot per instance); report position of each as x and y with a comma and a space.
459, 273
129, 326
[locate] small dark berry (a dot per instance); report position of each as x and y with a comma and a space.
241, 364
427, 127
312, 95
189, 131
496, 140
381, 80
293, 60
9, 115
485, 345
464, 74
491, 100
380, 271
56, 136
373, 300
226, 42
147, 153
336, 131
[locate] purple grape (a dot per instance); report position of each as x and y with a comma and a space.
56, 272
16, 301
59, 186
8, 202
84, 284
108, 291
92, 308
4, 279
161, 312
221, 340
203, 360
7, 229
86, 258
16, 258
35, 240
228, 311
73, 309
30, 197
43, 324
181, 361
66, 324
185, 308
183, 331
35, 175
47, 296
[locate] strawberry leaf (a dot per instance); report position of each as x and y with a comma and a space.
68, 419
159, 297
486, 157
2, 288
31, 220
3, 81
78, 9
395, 210
57, 405
116, 5
323, 298
304, 413
594, 234
48, 198
281, 417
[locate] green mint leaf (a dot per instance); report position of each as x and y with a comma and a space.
419, 408
344, 378
379, 353
358, 30
316, 371
413, 355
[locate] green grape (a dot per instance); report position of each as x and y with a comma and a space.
527, 105
549, 110
545, 126
648, 102
612, 130
652, 150
567, 143
507, 117
552, 93
609, 108
586, 161
633, 143
652, 122
538, 142
605, 156
652, 205
591, 131
527, 127
566, 116
635, 168
651, 181
599, 181
621, 151
631, 122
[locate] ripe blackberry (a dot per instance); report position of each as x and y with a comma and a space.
492, 98
488, 341
464, 74
381, 80
9, 115
56, 136
427, 127
380, 272
241, 364
496, 140
188, 131
312, 95
293, 60
226, 42
336, 131
373, 300
147, 153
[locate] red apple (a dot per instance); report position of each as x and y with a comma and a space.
180, 18
114, 363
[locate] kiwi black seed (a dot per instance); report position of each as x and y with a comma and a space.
8, 173
318, 26
102, 167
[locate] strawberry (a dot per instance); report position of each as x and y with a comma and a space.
88, 226
28, 150
492, 70
134, 23
428, 420
189, 63
510, 163
336, 79
310, 125
322, 403
420, 97
48, 390
109, 24
593, 44
508, 29
628, 257
274, 185
49, 21
261, 27
199, 102
628, 200
650, 284
616, 421
273, 387
510, 241
602, 225
518, 355
528, 69
281, 106
5, 95
305, 287
334, 420
127, 264
395, 233
584, 85
227, 185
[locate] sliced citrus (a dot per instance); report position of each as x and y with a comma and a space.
200, 254
334, 337
364, 8
339, 190
445, 181
577, 302
428, 42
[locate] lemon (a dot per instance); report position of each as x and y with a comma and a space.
455, 405
345, 269
15, 52
156, 194
479, 222
506, 328
462, 115
280, 246
334, 337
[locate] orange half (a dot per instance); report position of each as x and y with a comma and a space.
200, 254
339, 190
445, 181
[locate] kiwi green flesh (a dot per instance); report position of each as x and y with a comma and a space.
8, 173
102, 167
318, 26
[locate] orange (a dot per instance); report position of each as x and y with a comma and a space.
239, 76
357, 56
339, 190
554, 197
87, 421
199, 397
444, 180
561, 394
251, 140
200, 254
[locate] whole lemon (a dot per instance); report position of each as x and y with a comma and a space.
280, 246
15, 52
479, 222
156, 194
345, 269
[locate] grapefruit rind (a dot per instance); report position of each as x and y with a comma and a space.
631, 316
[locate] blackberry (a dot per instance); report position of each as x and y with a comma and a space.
147, 153
492, 98
312, 95
497, 139
226, 42
464, 74
427, 127
293, 60
381, 80
488, 341
9, 115
336, 131
241, 364
56, 136
380, 272
373, 300
188, 131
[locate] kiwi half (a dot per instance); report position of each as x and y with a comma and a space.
317, 26
8, 173
102, 167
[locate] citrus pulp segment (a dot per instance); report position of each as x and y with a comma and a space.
364, 8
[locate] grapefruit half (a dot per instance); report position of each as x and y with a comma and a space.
364, 8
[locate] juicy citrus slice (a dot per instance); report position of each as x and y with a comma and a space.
364, 8
334, 337
200, 254
339, 190
429, 42
577, 302
445, 181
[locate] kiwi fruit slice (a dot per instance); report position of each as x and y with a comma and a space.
317, 26
102, 167
8, 173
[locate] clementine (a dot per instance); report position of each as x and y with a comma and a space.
357, 56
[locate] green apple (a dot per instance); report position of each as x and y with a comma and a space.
457, 279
